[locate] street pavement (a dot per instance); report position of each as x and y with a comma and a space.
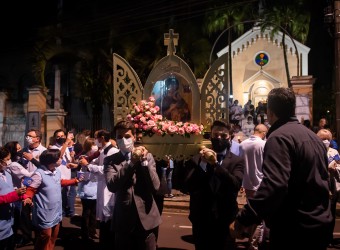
177, 206
69, 237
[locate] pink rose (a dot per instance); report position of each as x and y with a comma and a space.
151, 123
181, 131
188, 129
143, 120
153, 111
172, 129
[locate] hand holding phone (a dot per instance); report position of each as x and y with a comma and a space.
27, 181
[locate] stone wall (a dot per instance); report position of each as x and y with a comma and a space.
14, 123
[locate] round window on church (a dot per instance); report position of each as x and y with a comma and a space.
261, 59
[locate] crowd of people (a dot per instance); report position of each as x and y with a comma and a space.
244, 119
288, 171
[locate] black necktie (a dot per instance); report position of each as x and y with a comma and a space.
127, 158
220, 157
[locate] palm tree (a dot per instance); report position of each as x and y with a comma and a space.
289, 17
292, 18
230, 17
91, 81
194, 47
95, 83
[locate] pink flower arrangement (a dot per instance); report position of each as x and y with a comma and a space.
147, 120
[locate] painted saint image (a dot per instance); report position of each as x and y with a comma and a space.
172, 105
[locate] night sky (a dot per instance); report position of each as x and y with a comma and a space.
20, 22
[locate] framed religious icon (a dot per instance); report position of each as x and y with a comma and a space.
174, 99
33, 121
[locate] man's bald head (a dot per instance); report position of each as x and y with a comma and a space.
261, 130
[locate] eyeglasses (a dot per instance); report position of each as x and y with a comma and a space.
222, 135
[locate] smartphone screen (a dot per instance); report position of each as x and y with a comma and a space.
27, 181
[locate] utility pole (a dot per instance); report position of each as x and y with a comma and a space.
337, 65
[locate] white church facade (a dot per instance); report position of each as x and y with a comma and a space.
258, 66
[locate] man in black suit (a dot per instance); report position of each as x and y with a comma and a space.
293, 197
213, 184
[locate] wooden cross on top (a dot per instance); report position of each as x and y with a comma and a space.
171, 40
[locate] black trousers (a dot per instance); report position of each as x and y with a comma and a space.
25, 223
88, 218
106, 236
8, 243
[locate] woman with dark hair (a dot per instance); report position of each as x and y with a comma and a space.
14, 167
87, 191
7, 196
18, 172
45, 191
14, 147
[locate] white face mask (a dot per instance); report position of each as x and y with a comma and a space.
125, 145
98, 144
29, 140
326, 142
94, 149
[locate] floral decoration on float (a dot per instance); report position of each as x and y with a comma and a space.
148, 121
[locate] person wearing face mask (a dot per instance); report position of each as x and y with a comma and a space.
213, 183
44, 195
131, 174
87, 191
105, 198
16, 170
30, 161
7, 196
248, 127
30, 153
266, 123
22, 232
68, 193
334, 177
